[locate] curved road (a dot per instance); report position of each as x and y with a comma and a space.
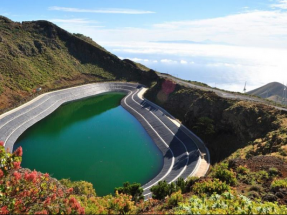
182, 150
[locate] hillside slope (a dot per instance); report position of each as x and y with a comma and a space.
40, 54
273, 91
230, 128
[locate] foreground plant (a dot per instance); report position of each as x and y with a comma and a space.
118, 204
29, 192
227, 203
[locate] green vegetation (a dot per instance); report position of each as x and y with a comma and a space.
230, 128
24, 191
204, 127
273, 172
135, 190
227, 203
282, 183
79, 187
210, 186
29, 192
118, 204
40, 54
175, 199
51, 58
162, 189
221, 172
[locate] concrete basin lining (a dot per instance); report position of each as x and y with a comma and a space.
154, 120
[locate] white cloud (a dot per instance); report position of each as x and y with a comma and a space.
168, 61
260, 28
258, 54
233, 65
252, 28
136, 59
282, 4
183, 62
139, 59
73, 21
79, 24
106, 10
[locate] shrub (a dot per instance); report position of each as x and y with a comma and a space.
135, 190
281, 183
181, 185
204, 127
24, 191
227, 204
144, 206
174, 199
273, 172
80, 187
261, 175
256, 188
210, 186
190, 182
162, 189
245, 179
243, 170
221, 172
253, 195
118, 204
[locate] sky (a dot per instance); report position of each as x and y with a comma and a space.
223, 43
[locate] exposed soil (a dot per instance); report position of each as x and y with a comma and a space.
263, 163
259, 163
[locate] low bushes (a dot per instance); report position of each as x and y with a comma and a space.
118, 204
222, 172
24, 191
277, 184
210, 186
227, 203
79, 187
162, 189
174, 199
273, 172
135, 190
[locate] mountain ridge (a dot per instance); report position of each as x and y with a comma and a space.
273, 91
36, 54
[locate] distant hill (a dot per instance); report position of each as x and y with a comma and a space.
40, 54
273, 91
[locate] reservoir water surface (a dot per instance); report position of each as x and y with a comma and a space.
95, 140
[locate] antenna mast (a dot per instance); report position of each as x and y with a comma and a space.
244, 90
284, 93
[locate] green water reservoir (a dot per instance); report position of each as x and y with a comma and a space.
94, 140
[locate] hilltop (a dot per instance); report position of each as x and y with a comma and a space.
39, 54
273, 91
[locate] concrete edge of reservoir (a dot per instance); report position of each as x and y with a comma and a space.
183, 152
